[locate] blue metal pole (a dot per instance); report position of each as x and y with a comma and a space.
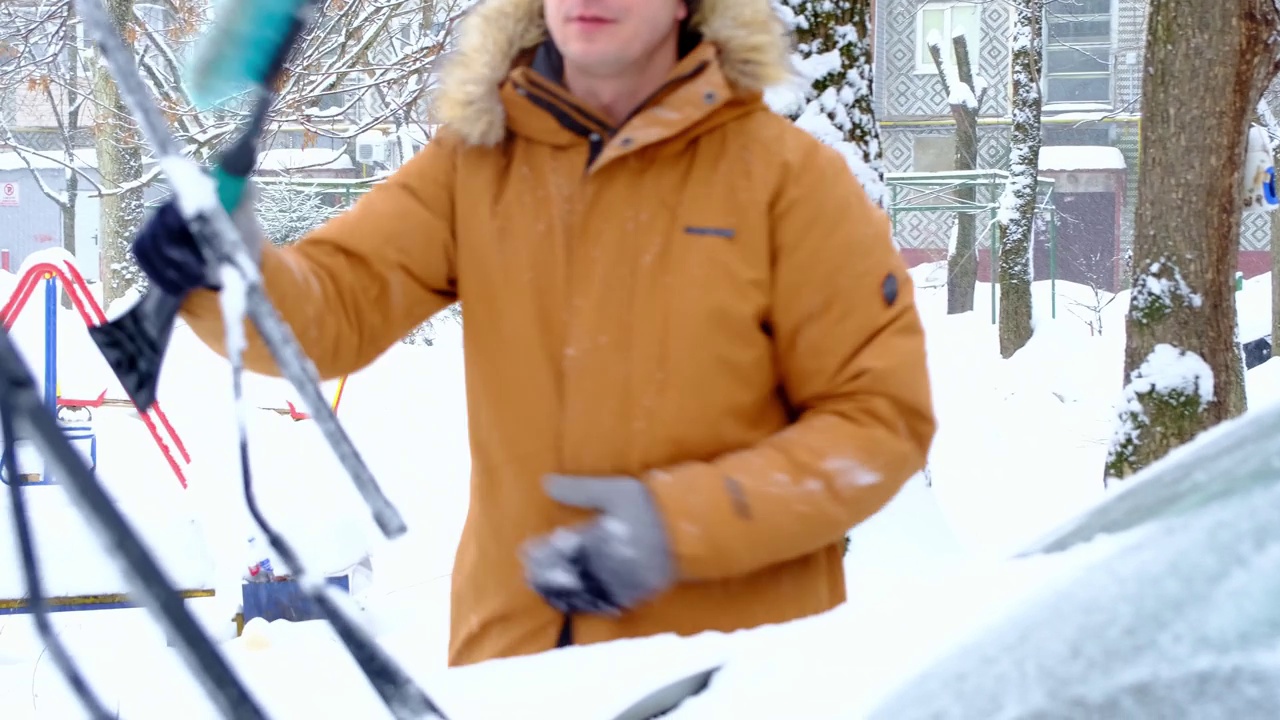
50, 355
51, 343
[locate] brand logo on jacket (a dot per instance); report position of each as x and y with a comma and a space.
723, 232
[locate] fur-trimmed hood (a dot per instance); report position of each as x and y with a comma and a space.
752, 42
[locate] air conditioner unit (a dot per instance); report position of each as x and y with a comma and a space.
371, 148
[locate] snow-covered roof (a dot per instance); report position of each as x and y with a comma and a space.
49, 160
1081, 157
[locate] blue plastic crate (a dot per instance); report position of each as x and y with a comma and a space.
284, 600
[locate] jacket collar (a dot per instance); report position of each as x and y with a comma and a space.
497, 37
693, 96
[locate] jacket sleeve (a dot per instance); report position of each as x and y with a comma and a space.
357, 284
851, 357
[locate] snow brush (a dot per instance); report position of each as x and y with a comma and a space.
202, 202
24, 413
244, 50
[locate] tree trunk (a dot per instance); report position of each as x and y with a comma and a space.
1207, 65
962, 260
864, 131
846, 92
69, 132
1018, 204
69, 217
120, 164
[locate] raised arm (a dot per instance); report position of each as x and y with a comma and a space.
360, 282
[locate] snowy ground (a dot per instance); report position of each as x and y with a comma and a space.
1020, 449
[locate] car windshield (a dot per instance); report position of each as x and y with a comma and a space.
1229, 460
1184, 615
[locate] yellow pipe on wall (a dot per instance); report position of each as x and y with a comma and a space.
1006, 121
21, 605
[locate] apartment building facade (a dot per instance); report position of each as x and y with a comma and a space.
1091, 85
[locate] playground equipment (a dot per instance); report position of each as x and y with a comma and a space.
281, 599
284, 600
297, 414
76, 414
1258, 176
82, 603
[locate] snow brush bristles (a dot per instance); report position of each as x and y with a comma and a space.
246, 45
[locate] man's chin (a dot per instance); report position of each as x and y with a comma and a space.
594, 62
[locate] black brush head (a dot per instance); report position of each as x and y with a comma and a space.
134, 344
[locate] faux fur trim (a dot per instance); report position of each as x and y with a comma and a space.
753, 46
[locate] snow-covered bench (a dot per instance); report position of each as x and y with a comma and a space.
77, 603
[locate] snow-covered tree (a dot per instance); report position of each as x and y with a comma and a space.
287, 212
1017, 211
362, 64
964, 95
1206, 67
31, 53
118, 143
425, 334
835, 56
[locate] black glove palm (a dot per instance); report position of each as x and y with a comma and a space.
167, 252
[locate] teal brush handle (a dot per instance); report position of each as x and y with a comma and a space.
230, 188
236, 163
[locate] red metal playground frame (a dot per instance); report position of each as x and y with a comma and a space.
78, 290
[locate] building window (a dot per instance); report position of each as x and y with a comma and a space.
933, 153
1072, 134
1077, 51
938, 22
8, 106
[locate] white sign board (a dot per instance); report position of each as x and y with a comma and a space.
9, 194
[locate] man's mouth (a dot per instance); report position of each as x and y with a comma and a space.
591, 20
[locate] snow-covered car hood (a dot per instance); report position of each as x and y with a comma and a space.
1184, 618
835, 665
1175, 576
1165, 595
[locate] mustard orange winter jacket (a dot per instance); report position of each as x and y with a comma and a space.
703, 298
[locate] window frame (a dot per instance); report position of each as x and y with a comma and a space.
923, 62
1107, 47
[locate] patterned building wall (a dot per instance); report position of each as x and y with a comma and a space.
1255, 232
1130, 32
902, 92
932, 229
1127, 56
1126, 139
898, 143
1255, 229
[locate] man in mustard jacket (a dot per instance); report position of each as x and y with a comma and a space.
693, 355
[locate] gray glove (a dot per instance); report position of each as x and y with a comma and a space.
609, 564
